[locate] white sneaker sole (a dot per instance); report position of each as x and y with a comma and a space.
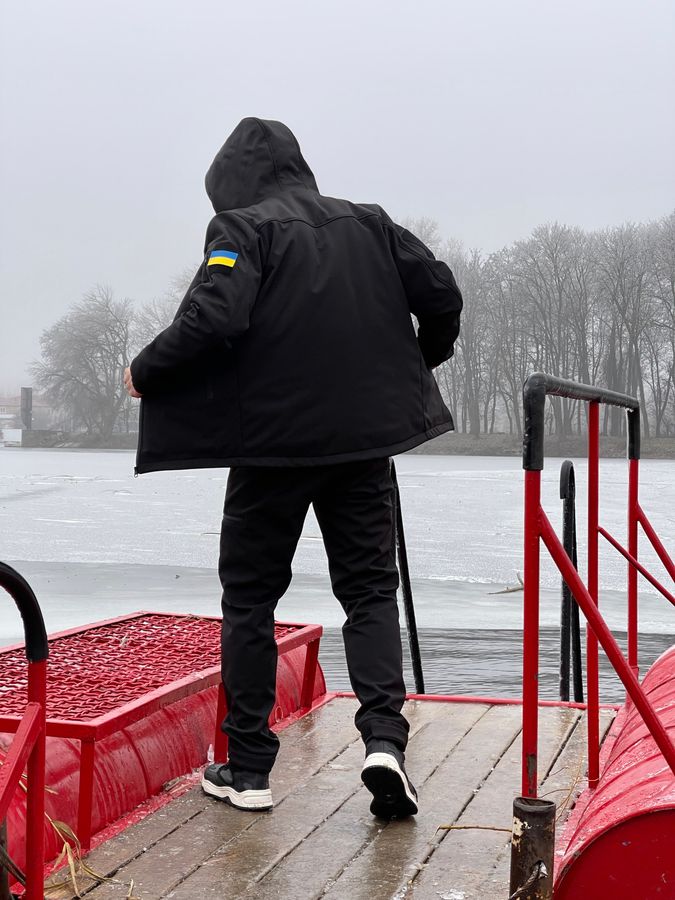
387, 782
255, 800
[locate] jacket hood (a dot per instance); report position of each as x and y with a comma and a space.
261, 157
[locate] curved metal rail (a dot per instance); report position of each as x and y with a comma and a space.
28, 746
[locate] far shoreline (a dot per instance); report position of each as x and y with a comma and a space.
460, 444
449, 444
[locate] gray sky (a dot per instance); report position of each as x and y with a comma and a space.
490, 116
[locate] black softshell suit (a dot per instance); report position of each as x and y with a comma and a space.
302, 352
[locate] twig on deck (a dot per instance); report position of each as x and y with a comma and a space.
472, 827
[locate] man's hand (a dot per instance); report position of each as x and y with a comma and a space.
129, 385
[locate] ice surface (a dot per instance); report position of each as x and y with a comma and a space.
462, 515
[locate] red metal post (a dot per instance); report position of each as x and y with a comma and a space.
86, 798
531, 633
655, 541
35, 801
309, 674
15, 760
633, 475
592, 687
637, 566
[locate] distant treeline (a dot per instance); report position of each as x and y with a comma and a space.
597, 307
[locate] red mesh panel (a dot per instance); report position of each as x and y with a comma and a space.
96, 671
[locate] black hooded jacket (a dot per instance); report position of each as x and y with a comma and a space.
294, 344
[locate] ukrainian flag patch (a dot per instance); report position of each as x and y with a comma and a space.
222, 258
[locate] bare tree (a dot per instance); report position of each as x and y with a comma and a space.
598, 307
508, 322
427, 230
623, 266
83, 357
660, 337
474, 344
154, 316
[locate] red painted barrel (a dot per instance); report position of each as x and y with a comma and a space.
620, 839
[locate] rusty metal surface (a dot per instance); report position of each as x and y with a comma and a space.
95, 671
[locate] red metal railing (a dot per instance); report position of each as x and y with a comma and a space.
27, 749
538, 528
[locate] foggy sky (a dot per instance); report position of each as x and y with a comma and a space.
491, 116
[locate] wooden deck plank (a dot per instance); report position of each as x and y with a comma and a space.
320, 859
385, 865
229, 871
461, 858
321, 840
566, 777
322, 734
162, 867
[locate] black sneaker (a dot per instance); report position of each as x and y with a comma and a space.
383, 773
245, 790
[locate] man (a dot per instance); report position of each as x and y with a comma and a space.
293, 360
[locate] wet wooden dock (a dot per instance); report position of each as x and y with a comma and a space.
321, 840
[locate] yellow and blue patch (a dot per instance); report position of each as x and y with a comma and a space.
222, 258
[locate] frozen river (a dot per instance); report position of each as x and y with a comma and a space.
97, 542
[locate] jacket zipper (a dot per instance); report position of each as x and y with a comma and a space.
140, 438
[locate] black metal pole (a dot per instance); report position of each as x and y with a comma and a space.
567, 496
570, 630
406, 589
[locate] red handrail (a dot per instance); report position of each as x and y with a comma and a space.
28, 745
538, 528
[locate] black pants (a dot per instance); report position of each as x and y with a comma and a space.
265, 509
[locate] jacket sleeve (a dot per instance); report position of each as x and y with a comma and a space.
432, 292
215, 310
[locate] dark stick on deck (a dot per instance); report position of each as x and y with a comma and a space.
406, 588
